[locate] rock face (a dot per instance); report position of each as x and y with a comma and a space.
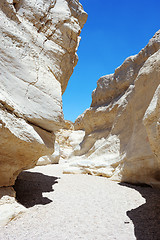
151, 121
50, 159
38, 47
122, 125
66, 140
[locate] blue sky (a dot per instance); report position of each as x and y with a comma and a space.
114, 31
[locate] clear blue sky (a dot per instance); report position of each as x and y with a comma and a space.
115, 30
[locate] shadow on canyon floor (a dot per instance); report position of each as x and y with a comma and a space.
146, 218
30, 187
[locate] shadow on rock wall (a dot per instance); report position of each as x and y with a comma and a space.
30, 187
146, 218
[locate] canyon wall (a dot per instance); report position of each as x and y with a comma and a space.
39, 40
122, 124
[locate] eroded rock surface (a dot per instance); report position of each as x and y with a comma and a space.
122, 125
38, 47
151, 121
66, 141
9, 207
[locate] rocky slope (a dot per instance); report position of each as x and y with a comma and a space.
122, 125
38, 47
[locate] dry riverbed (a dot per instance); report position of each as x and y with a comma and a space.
72, 207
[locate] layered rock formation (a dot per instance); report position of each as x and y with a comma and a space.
122, 125
38, 47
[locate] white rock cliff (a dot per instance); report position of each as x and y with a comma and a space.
39, 40
122, 125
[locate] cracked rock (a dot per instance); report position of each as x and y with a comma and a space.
38, 47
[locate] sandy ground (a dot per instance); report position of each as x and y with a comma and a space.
71, 207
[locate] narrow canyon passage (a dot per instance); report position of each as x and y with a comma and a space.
74, 207
117, 137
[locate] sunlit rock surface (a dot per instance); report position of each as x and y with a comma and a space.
66, 141
122, 125
39, 40
151, 121
9, 208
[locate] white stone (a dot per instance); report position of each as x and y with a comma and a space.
39, 40
9, 208
122, 125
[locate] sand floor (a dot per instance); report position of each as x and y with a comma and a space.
71, 207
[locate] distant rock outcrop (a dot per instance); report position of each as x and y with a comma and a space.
66, 140
39, 40
122, 133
